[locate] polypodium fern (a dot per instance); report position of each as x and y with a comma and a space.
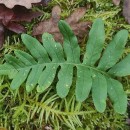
40, 67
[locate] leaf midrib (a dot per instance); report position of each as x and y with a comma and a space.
65, 63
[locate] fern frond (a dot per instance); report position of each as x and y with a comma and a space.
39, 67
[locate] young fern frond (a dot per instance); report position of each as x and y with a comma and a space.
39, 68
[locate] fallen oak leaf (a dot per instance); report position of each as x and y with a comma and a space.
80, 28
76, 15
51, 26
126, 10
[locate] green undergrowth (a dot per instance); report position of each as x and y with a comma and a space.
20, 110
33, 112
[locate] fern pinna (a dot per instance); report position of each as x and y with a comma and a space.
96, 73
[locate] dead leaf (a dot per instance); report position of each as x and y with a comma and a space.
11, 18
5, 14
2, 30
12, 3
51, 26
22, 14
48, 128
43, 2
76, 15
116, 2
126, 10
15, 27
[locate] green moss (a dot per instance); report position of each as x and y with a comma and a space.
21, 110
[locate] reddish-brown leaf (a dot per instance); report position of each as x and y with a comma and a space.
17, 14
2, 30
15, 27
76, 15
51, 26
5, 14
126, 10
22, 14
10, 18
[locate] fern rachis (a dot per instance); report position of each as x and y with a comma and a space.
38, 69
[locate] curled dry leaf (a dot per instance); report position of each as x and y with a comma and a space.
116, 2
51, 26
10, 18
126, 10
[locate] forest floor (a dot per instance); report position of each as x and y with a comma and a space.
20, 112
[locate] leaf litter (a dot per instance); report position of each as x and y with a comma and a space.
25, 3
10, 19
51, 25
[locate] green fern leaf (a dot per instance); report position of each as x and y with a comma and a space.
46, 77
99, 91
71, 47
117, 95
84, 80
40, 67
36, 49
114, 50
122, 68
65, 80
95, 43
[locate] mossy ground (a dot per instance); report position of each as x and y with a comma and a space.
22, 111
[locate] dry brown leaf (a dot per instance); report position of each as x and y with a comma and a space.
10, 19
126, 10
116, 2
12, 3
51, 26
